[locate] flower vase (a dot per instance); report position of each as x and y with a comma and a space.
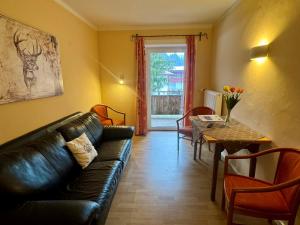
227, 118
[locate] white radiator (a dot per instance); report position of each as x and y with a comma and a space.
213, 100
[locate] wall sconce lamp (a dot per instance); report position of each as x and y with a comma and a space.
121, 80
259, 53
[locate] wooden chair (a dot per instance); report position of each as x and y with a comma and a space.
278, 200
102, 112
186, 131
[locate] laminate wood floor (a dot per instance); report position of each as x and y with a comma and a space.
161, 187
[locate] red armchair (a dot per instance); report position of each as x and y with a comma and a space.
278, 200
186, 131
102, 112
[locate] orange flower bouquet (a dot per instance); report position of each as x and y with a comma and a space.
232, 97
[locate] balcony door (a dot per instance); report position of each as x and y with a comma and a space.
166, 71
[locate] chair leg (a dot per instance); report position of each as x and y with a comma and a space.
195, 150
177, 141
230, 215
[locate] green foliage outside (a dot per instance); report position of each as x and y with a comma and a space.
177, 58
159, 64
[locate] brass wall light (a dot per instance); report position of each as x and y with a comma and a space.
259, 53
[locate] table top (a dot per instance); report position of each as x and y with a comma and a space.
233, 132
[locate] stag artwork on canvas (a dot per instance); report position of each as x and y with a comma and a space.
29, 63
28, 59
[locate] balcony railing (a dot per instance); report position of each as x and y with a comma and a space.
158, 93
166, 103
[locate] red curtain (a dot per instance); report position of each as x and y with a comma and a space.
189, 76
141, 120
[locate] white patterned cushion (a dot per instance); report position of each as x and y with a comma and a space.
83, 150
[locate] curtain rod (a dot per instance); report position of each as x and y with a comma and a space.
200, 35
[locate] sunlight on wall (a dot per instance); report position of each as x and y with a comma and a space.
263, 42
260, 60
270, 20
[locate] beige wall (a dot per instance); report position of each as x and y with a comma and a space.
271, 103
79, 55
117, 56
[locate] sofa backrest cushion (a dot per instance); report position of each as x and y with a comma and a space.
88, 124
53, 148
37, 169
25, 174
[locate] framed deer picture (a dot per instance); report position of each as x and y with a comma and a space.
29, 63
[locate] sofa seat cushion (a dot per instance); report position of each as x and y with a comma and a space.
114, 150
96, 183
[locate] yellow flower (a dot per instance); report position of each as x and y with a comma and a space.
226, 88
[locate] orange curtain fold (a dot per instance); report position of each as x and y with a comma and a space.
141, 114
189, 76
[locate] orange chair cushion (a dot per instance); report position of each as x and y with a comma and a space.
116, 122
272, 202
187, 131
105, 122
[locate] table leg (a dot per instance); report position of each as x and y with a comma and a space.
195, 149
252, 167
217, 154
253, 148
200, 147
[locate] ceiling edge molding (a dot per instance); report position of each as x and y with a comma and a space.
154, 27
75, 13
228, 11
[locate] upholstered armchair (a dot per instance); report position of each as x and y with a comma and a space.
185, 131
103, 112
278, 200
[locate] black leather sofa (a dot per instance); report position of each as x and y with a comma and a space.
42, 184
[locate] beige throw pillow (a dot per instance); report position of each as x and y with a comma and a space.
83, 150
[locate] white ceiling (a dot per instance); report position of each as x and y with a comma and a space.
114, 14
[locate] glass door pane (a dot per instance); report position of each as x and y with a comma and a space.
166, 71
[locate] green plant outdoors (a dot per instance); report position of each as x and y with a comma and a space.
159, 64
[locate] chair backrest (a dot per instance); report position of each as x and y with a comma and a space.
200, 110
288, 169
101, 110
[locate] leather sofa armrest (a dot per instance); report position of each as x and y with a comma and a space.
53, 212
117, 132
